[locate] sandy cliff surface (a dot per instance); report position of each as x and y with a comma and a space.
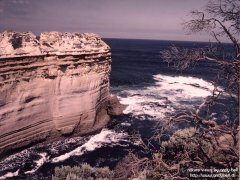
51, 87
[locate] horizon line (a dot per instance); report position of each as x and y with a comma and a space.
163, 40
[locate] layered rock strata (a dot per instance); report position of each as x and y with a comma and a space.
53, 86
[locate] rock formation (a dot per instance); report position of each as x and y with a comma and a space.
51, 87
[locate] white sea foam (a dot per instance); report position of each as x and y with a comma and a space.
103, 138
39, 163
125, 124
186, 87
165, 96
10, 175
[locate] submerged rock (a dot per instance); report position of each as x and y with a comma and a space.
51, 87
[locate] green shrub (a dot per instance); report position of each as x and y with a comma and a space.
82, 172
103, 173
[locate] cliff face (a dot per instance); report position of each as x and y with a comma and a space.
51, 87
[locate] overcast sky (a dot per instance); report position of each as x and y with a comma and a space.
142, 19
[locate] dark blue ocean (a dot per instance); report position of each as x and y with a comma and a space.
150, 88
136, 61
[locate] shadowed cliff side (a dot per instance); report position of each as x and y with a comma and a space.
52, 87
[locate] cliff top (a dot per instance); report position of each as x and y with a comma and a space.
18, 44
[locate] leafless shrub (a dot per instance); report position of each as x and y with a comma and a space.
220, 18
207, 142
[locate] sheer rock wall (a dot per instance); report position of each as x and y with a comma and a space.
51, 87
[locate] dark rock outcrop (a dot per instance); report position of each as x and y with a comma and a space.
115, 108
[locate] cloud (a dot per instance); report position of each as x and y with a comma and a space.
20, 1
2, 7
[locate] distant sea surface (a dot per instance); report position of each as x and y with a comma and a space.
136, 61
152, 90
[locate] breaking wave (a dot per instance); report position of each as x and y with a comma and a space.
105, 137
167, 95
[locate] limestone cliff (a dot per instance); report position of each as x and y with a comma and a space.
51, 87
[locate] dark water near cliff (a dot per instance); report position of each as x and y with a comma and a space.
141, 80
